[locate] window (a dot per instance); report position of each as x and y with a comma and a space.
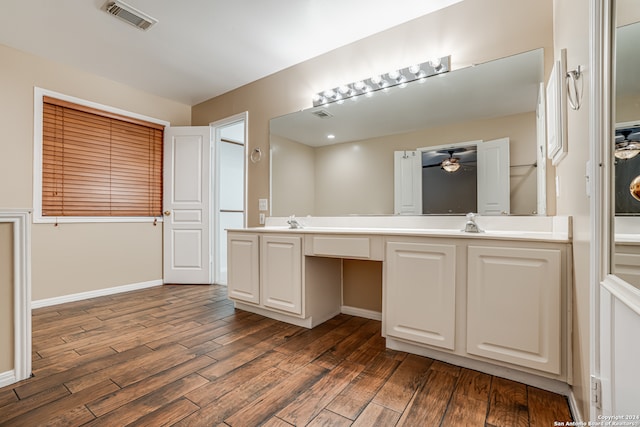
98, 163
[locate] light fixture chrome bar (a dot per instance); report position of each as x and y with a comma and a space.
384, 81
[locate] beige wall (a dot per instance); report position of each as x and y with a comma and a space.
362, 284
293, 190
472, 31
627, 109
73, 258
572, 32
6, 297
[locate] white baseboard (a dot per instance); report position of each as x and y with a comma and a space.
361, 312
92, 294
576, 411
8, 378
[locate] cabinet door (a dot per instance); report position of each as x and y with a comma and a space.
420, 293
243, 267
513, 306
281, 272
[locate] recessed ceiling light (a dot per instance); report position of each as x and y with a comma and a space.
331, 136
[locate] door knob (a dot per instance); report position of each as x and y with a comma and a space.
167, 213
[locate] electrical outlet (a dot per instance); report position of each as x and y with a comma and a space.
263, 205
587, 175
261, 219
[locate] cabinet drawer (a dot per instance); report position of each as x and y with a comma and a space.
360, 247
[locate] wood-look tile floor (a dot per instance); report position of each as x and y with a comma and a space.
183, 356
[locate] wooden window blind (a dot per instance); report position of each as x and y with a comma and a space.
96, 163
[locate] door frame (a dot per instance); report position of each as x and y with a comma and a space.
601, 14
214, 203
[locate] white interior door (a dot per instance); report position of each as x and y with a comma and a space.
493, 177
407, 183
187, 205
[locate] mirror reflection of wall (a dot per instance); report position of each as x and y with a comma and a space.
310, 176
626, 248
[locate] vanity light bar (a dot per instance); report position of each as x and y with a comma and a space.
384, 81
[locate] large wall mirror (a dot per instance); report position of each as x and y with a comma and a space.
353, 172
626, 176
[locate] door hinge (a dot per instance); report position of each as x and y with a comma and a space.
596, 391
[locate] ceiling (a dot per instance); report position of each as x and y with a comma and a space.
199, 48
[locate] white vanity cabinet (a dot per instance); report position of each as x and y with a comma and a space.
243, 267
514, 305
480, 302
420, 297
265, 270
281, 272
269, 274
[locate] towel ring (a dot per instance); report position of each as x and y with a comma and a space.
575, 99
256, 155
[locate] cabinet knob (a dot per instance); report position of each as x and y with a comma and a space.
167, 213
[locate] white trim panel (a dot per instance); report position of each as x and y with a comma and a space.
21, 290
8, 378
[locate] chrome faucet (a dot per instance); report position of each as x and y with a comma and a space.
471, 226
293, 222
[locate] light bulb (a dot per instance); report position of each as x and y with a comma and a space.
393, 75
436, 63
379, 81
329, 94
417, 71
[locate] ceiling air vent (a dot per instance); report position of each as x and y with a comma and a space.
130, 14
323, 114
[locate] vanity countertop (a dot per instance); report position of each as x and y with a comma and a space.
502, 228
